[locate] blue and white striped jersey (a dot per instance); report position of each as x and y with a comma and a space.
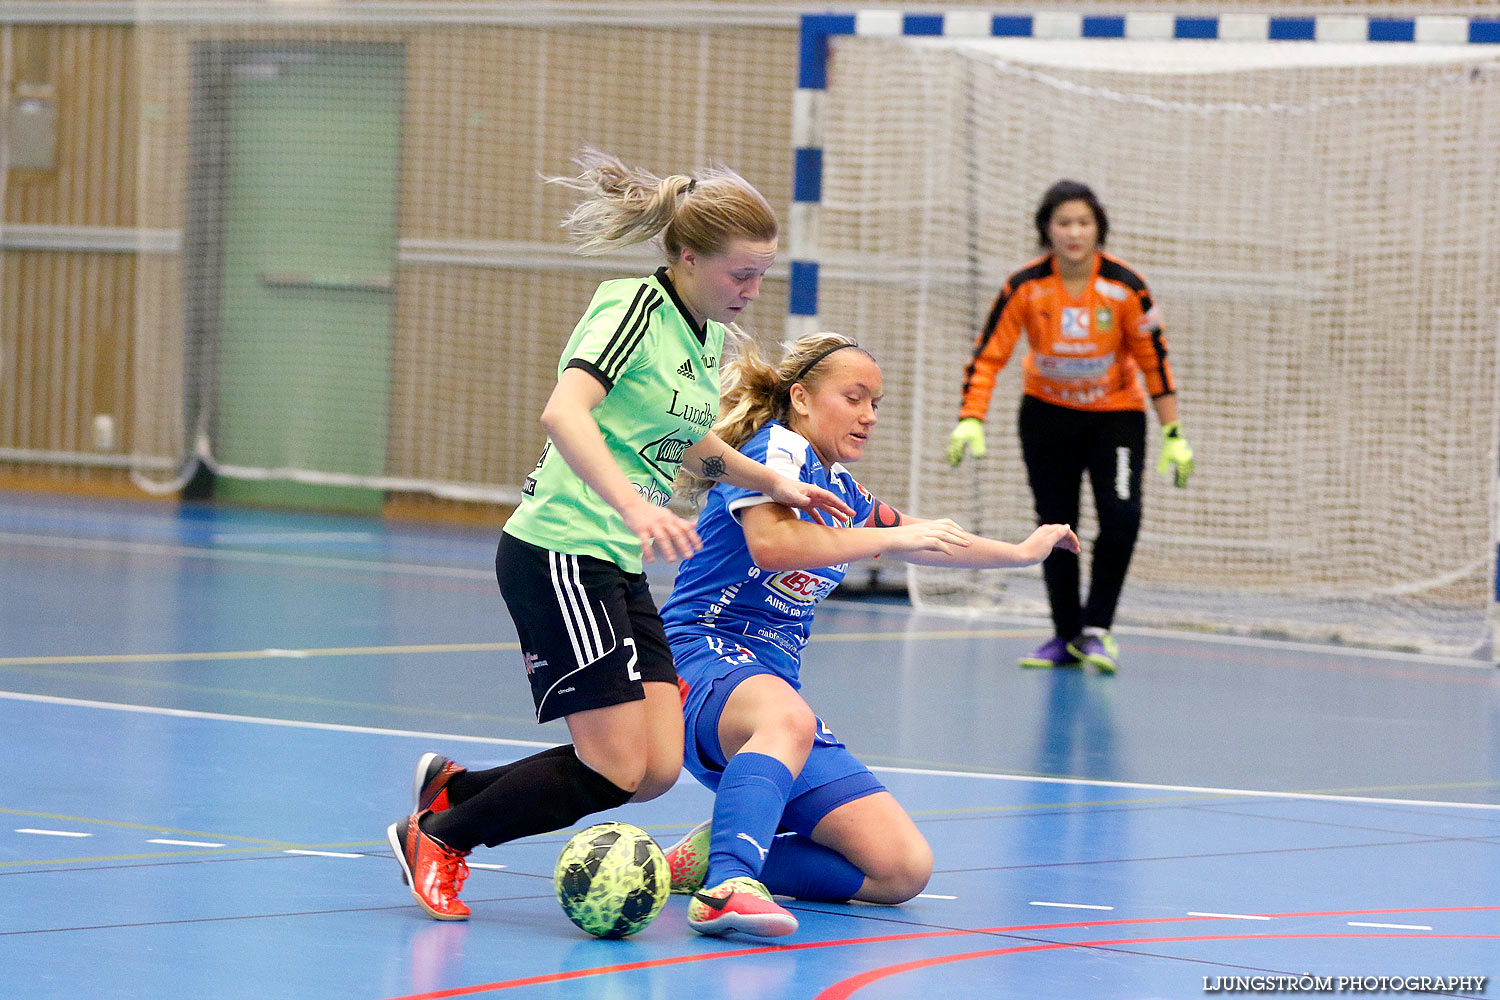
721, 593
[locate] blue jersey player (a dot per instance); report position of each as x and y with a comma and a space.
795, 812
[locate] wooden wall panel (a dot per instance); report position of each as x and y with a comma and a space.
66, 314
67, 320
90, 67
490, 111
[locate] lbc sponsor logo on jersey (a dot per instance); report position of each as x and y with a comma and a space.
801, 586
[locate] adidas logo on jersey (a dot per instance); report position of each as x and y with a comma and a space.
686, 370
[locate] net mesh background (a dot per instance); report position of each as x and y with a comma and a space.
1322, 242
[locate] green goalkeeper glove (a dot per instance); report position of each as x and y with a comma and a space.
968, 434
1176, 455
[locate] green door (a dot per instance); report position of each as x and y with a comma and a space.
308, 299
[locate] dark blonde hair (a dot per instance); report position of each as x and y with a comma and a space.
753, 391
705, 211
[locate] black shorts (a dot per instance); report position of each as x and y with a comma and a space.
590, 633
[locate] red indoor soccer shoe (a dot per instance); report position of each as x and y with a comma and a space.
434, 870
429, 786
739, 904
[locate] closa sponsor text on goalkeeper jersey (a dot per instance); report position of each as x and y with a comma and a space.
1086, 353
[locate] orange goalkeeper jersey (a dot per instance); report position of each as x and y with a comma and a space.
1087, 353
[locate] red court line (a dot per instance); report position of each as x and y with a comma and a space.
656, 963
847, 988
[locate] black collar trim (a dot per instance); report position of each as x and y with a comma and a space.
699, 331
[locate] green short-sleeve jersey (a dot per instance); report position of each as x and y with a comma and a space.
660, 372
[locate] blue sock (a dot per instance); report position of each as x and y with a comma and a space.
747, 810
802, 869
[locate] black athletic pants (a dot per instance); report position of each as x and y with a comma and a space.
1059, 445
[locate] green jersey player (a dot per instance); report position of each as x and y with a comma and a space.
636, 397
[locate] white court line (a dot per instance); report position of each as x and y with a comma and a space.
1195, 789
324, 854
236, 555
920, 895
335, 727
1227, 916
1391, 927
184, 843
54, 833
1071, 906
493, 868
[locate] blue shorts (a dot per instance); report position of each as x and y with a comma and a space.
832, 775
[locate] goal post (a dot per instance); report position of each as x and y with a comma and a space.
1316, 216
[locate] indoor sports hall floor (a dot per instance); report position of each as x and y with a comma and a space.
209, 717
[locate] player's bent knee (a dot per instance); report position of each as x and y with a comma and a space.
784, 729
894, 889
797, 723
656, 783
900, 878
626, 774
910, 882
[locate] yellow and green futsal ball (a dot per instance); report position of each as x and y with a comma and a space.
612, 880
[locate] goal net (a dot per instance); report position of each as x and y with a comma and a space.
1320, 227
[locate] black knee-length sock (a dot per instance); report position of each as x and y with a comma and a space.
544, 792
462, 787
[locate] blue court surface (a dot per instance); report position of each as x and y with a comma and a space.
210, 716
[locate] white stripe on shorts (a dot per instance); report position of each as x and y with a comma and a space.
578, 617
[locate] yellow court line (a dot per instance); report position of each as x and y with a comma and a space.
106, 858
455, 647
121, 825
955, 633
260, 845
260, 654
1206, 798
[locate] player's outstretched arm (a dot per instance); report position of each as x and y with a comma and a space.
991, 553
779, 540
980, 552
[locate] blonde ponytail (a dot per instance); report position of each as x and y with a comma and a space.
626, 205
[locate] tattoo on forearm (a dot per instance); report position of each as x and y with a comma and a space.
713, 467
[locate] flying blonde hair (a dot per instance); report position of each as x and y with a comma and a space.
625, 205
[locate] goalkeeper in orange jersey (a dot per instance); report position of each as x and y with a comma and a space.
1094, 336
